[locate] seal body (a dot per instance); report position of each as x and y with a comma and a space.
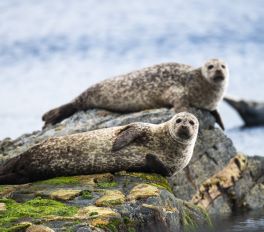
251, 112
164, 85
165, 148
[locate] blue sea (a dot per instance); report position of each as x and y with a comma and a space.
50, 51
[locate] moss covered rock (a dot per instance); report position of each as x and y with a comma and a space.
121, 202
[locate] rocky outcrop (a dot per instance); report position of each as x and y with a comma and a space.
237, 187
217, 178
106, 202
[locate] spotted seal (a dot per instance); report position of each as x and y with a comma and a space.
252, 112
161, 148
164, 85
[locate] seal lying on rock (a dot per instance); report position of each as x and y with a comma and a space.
164, 148
251, 112
163, 85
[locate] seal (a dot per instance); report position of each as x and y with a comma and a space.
164, 85
252, 112
161, 148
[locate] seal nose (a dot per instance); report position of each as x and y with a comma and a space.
219, 76
184, 132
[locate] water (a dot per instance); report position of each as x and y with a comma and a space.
242, 222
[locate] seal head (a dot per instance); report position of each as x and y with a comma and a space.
216, 72
183, 127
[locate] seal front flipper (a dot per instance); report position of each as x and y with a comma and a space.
218, 119
155, 165
127, 135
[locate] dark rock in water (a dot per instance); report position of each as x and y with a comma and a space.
251, 112
217, 178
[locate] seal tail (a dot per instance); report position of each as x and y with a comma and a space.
8, 175
58, 114
13, 178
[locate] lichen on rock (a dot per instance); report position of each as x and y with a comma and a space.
142, 191
111, 197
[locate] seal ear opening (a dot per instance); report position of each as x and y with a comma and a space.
126, 136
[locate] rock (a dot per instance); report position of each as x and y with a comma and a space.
255, 197
65, 194
217, 178
212, 152
2, 207
150, 206
213, 187
98, 215
238, 186
142, 191
39, 228
111, 197
22, 226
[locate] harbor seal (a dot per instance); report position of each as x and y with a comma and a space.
252, 112
165, 85
161, 148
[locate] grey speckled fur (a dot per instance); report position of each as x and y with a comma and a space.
163, 85
164, 148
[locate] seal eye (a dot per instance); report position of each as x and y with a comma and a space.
223, 66
178, 120
191, 122
210, 67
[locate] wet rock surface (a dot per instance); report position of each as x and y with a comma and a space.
216, 179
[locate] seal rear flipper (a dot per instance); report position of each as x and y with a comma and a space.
218, 119
58, 114
8, 173
126, 136
13, 178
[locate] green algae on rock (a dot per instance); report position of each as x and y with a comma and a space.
93, 207
36, 209
151, 178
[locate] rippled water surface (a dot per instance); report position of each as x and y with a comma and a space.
253, 222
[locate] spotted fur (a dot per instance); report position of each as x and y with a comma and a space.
164, 85
164, 148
